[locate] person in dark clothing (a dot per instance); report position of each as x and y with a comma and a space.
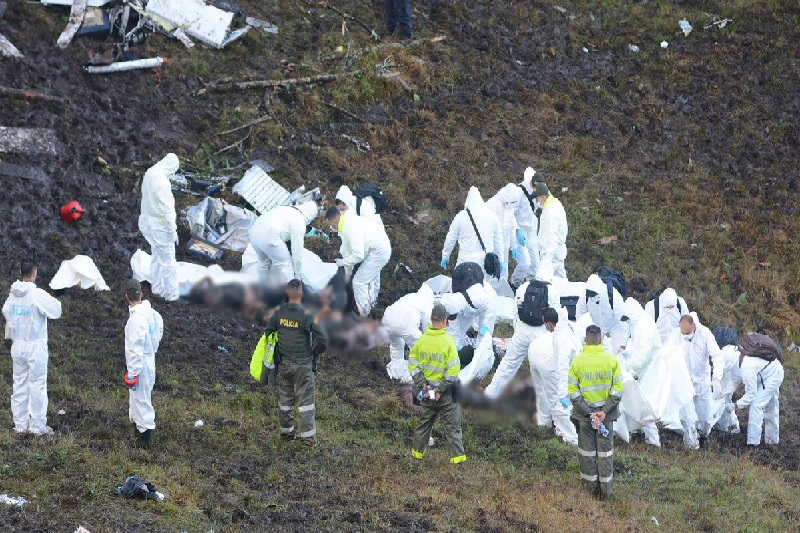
300, 341
398, 13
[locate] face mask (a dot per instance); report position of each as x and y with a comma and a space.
688, 337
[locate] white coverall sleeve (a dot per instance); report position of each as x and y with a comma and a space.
488, 314
452, 236
717, 361
135, 336
47, 304
497, 231
7, 315
158, 334
298, 232
353, 249
750, 380
424, 320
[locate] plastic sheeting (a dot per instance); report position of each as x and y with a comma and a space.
80, 270
316, 272
220, 223
482, 362
667, 385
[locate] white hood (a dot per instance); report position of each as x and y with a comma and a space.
527, 179
474, 199
309, 210
508, 194
344, 194
633, 310
21, 288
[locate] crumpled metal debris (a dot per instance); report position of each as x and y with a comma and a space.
686, 28
138, 487
19, 501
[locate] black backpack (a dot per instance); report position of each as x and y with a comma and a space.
466, 275
724, 336
369, 190
657, 309
534, 303
614, 279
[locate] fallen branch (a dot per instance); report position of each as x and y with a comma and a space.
228, 85
342, 110
255, 122
27, 95
346, 16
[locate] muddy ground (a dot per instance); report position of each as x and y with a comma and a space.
688, 154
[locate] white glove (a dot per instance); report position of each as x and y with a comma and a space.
716, 390
339, 262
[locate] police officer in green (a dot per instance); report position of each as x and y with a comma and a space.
295, 358
595, 389
434, 367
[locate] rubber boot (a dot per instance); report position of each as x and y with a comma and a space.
406, 393
145, 438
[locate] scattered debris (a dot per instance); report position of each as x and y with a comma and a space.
198, 424
227, 84
765, 264
264, 193
29, 141
606, 240
560, 9
204, 249
633, 48
400, 267
75, 20
564, 189
686, 28
61, 412
90, 3
654, 520
718, 23
664, 44
363, 146
26, 94
19, 501
222, 349
140, 488
80, 270
793, 348
122, 66
348, 16
206, 23
71, 211
263, 25
82, 529
585, 50
8, 49
423, 217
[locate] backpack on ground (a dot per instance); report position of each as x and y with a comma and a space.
370, 190
465, 276
534, 303
725, 336
614, 279
761, 346
657, 309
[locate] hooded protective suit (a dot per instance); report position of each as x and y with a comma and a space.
462, 232
553, 231
731, 379
604, 315
157, 224
528, 258
505, 205
345, 195
143, 334
517, 348
364, 243
671, 308
26, 312
705, 363
762, 381
481, 313
273, 233
405, 320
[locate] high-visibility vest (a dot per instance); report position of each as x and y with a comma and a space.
596, 375
263, 355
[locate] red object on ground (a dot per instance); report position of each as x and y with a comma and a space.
71, 211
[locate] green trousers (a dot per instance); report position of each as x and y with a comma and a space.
596, 457
451, 418
296, 389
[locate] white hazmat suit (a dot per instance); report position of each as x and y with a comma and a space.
528, 257
157, 224
671, 308
364, 243
273, 234
553, 230
480, 314
26, 312
504, 204
762, 381
462, 232
405, 320
367, 210
731, 379
143, 334
605, 314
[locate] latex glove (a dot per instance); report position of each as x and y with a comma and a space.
131, 382
445, 262
514, 253
564, 403
521, 238
716, 390
483, 331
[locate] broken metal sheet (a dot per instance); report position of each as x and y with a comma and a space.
263, 25
204, 22
90, 3
220, 223
29, 141
122, 66
260, 190
75, 20
8, 49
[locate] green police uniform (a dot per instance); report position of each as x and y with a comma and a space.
595, 384
294, 358
434, 362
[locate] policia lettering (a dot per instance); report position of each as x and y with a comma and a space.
295, 358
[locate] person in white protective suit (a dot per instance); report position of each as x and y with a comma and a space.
528, 255
143, 333
762, 381
278, 237
553, 230
505, 205
478, 311
639, 351
364, 245
550, 356
606, 313
667, 308
731, 379
704, 361
405, 320
517, 348
157, 224
347, 201
462, 232
26, 311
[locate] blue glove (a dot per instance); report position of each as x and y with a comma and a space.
564, 403
502, 267
130, 382
514, 253
521, 238
445, 262
483, 331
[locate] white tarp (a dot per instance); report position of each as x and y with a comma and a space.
316, 273
80, 270
204, 219
667, 385
637, 412
482, 362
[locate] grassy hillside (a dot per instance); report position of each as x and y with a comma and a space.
687, 154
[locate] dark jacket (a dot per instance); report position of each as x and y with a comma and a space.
296, 328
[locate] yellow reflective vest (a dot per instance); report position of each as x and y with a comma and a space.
596, 377
434, 359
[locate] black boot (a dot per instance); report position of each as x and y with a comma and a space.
145, 438
703, 443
